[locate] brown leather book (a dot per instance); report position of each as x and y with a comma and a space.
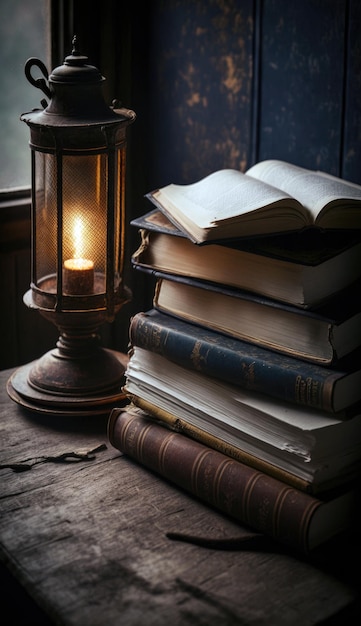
255, 499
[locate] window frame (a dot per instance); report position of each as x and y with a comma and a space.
15, 218
99, 30
15, 203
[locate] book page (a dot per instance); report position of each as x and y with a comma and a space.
313, 189
221, 196
258, 413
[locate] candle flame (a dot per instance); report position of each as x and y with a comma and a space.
78, 230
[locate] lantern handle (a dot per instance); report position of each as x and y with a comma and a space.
39, 83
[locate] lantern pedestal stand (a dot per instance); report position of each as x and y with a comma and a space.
78, 158
76, 378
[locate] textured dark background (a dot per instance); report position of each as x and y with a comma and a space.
223, 83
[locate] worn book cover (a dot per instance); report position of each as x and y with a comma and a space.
290, 516
248, 365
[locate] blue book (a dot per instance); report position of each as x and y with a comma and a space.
246, 365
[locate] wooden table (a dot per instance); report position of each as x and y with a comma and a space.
86, 540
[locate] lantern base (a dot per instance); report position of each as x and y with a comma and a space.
81, 400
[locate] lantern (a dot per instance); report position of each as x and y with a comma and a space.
78, 150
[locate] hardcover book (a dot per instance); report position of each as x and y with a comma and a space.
246, 365
302, 269
323, 335
292, 517
320, 448
271, 197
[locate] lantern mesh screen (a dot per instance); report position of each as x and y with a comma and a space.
45, 219
80, 229
83, 221
84, 209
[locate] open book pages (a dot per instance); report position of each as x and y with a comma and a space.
311, 444
316, 191
271, 197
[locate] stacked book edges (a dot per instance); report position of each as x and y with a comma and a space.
312, 449
244, 378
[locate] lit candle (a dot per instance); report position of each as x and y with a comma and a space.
78, 276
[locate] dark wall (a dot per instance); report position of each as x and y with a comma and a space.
222, 83
309, 85
228, 83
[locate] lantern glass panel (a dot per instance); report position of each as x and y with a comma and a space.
45, 216
88, 224
119, 212
84, 223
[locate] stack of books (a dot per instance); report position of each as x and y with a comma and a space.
245, 377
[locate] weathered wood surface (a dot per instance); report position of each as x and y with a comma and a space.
87, 539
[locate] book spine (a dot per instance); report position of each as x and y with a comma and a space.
181, 426
244, 365
249, 496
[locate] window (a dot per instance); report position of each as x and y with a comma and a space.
24, 33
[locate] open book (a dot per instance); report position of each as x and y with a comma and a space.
271, 197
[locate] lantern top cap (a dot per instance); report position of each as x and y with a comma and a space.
74, 90
75, 69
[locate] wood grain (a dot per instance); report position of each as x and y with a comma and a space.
88, 540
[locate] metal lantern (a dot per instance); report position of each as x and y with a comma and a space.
78, 148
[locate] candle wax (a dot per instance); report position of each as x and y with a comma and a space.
78, 277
